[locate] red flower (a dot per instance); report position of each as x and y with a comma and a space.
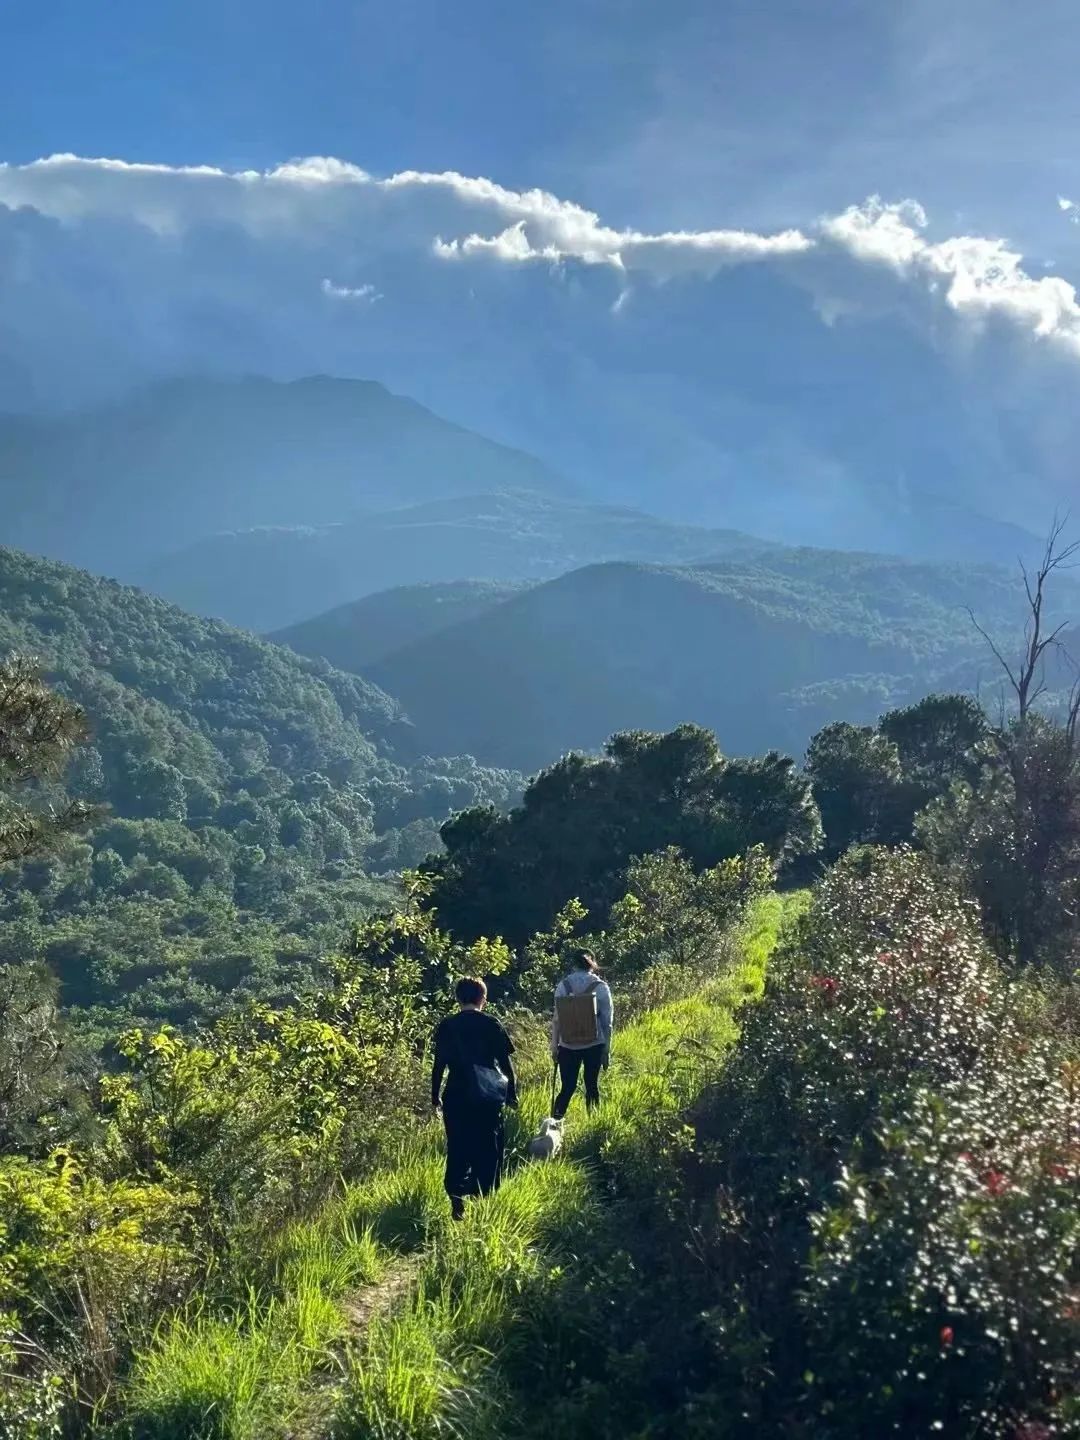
1060, 1172
827, 984
967, 1157
996, 1181
947, 1335
1032, 1430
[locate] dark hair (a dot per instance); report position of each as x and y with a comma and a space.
583, 960
470, 991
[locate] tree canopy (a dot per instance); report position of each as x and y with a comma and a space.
584, 819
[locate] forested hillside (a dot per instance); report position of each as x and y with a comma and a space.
764, 650
830, 1189
268, 578
187, 458
249, 791
354, 636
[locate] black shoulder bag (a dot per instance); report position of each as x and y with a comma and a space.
482, 1085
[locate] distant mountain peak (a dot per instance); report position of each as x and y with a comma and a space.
190, 457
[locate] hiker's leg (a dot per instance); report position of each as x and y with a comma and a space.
488, 1155
569, 1070
593, 1060
458, 1158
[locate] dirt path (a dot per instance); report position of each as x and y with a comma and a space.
360, 1309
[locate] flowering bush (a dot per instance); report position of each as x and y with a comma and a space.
903, 1152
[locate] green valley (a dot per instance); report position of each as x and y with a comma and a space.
250, 794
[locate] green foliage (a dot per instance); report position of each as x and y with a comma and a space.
898, 1175
1011, 837
583, 820
936, 740
169, 1219
78, 1251
252, 792
527, 1319
39, 1101
870, 783
674, 918
856, 774
39, 730
205, 1148
262, 1115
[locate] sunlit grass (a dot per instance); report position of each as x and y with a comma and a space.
486, 1303
404, 1208
483, 1304
241, 1375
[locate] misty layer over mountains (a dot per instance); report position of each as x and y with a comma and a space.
112, 488
121, 487
511, 611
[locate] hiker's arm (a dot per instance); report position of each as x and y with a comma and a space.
555, 1022
438, 1070
502, 1055
508, 1070
605, 1019
605, 1013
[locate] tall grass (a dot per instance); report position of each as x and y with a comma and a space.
483, 1313
485, 1317
241, 1375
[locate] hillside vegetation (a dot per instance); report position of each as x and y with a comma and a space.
268, 578
249, 792
357, 635
762, 650
832, 1188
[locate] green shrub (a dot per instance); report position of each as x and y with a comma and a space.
900, 1165
83, 1261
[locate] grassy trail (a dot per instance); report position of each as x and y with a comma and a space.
389, 1323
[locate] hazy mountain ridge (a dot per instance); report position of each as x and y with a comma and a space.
755, 649
267, 579
354, 636
188, 458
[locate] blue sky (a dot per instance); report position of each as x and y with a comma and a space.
703, 278
654, 113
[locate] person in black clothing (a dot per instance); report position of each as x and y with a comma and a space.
471, 1046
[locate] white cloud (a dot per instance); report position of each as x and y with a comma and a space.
976, 277
309, 197
1070, 208
321, 216
365, 293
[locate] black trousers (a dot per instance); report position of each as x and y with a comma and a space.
571, 1064
474, 1148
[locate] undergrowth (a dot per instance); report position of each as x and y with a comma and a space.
479, 1325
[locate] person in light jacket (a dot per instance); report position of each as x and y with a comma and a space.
574, 1054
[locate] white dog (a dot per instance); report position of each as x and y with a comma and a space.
547, 1144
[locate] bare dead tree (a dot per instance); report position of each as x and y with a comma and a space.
1027, 675
1042, 765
